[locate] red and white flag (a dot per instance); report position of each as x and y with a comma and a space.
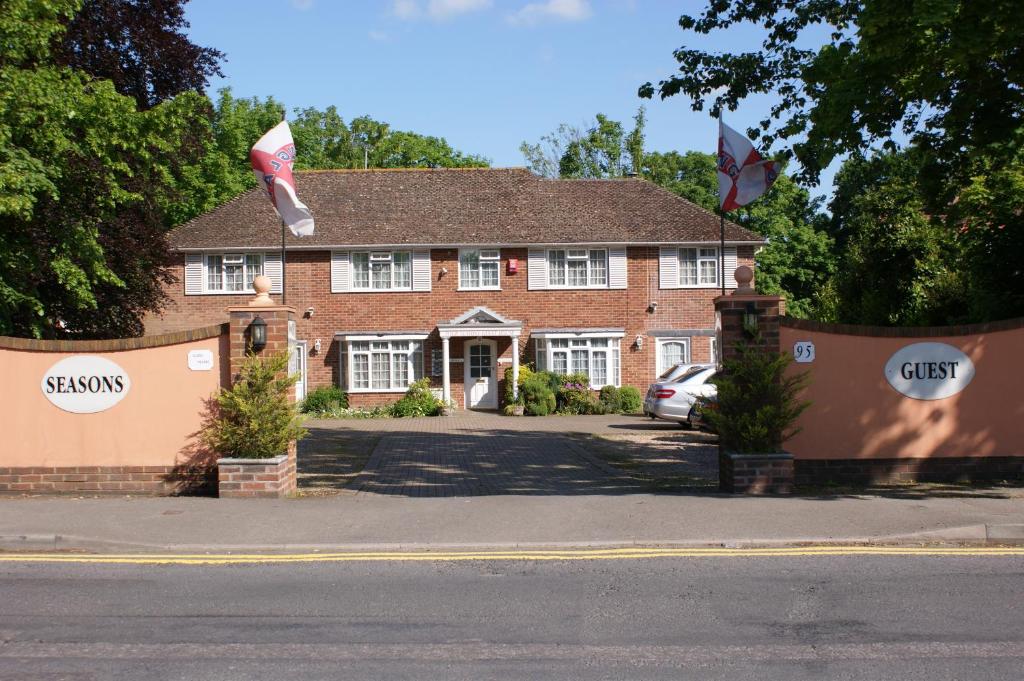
272, 159
742, 174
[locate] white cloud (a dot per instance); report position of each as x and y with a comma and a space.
436, 10
556, 10
445, 9
406, 10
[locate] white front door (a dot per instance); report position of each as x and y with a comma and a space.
297, 365
481, 383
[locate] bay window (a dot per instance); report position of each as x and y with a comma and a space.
597, 357
384, 365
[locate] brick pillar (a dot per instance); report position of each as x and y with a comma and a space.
769, 473
258, 477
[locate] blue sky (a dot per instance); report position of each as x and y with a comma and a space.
484, 74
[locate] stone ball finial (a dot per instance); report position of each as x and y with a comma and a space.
744, 275
261, 285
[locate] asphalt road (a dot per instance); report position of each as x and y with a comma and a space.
851, 617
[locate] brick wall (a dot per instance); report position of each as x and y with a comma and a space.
308, 285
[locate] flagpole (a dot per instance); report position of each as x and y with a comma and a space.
284, 256
721, 216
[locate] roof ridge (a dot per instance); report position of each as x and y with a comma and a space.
324, 171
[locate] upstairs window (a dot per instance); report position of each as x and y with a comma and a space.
382, 270
232, 273
578, 268
479, 268
698, 266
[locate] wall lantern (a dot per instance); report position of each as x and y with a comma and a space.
258, 334
750, 320
639, 342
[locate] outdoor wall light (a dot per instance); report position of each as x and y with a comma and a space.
316, 345
750, 320
258, 334
639, 342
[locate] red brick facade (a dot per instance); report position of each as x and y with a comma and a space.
308, 285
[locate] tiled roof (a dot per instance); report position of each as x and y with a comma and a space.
499, 206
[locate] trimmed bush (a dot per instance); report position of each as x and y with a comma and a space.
630, 400
538, 397
758, 401
255, 419
576, 398
611, 399
325, 400
417, 401
525, 371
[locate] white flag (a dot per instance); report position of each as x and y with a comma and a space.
742, 174
272, 159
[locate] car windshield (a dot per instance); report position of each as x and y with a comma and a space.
690, 374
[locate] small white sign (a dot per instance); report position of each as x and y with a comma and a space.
803, 351
929, 371
200, 360
85, 384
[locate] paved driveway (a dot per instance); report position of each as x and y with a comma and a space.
472, 454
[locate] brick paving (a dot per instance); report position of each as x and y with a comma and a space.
474, 454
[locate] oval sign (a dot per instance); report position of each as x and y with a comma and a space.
85, 384
929, 371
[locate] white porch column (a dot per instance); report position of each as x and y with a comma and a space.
446, 378
515, 367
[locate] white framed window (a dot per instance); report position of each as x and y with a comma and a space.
713, 353
479, 268
382, 271
698, 266
578, 268
231, 272
672, 351
384, 365
597, 356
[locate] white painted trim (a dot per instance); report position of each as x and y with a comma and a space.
587, 334
433, 246
407, 336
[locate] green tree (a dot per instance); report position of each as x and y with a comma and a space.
898, 266
83, 178
603, 150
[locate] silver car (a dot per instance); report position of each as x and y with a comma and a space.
671, 400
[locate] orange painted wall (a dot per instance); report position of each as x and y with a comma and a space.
856, 414
152, 426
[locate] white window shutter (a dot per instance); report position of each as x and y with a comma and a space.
730, 267
341, 272
193, 274
421, 276
537, 269
616, 268
273, 269
668, 268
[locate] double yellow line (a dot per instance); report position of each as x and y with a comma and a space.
625, 553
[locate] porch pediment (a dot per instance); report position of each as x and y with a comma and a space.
480, 321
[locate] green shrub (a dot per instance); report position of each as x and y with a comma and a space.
757, 404
325, 400
255, 419
417, 401
525, 371
630, 400
538, 397
611, 399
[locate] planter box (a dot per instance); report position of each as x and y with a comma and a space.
755, 473
263, 478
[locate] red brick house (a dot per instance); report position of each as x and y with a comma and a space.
441, 273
